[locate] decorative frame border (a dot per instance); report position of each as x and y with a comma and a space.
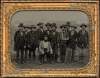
8, 8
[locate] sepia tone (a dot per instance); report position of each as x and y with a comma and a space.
8, 69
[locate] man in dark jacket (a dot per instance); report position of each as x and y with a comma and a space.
47, 32
40, 31
83, 37
19, 42
32, 41
40, 36
64, 38
54, 39
83, 42
26, 47
72, 43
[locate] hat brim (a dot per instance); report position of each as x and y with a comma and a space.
40, 24
83, 26
62, 27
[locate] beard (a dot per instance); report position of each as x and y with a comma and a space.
45, 40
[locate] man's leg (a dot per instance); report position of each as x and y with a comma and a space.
25, 54
33, 54
22, 56
17, 55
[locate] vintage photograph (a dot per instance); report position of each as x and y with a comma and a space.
49, 39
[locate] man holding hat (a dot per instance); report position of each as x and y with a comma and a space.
19, 42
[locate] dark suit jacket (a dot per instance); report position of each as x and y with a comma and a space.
19, 40
54, 39
83, 39
72, 39
32, 39
40, 35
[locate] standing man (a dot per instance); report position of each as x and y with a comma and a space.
64, 37
48, 30
40, 31
40, 37
32, 42
26, 47
83, 41
72, 43
54, 42
48, 33
19, 43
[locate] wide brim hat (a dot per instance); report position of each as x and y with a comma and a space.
21, 25
83, 25
40, 23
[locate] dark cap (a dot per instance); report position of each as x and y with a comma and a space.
40, 23
83, 25
21, 25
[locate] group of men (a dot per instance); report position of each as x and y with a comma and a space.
50, 43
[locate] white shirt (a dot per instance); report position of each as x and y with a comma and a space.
45, 44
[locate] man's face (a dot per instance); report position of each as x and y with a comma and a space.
21, 28
71, 28
45, 38
63, 28
83, 27
53, 28
26, 29
41, 26
48, 27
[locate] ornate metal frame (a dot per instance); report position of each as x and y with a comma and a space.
9, 7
